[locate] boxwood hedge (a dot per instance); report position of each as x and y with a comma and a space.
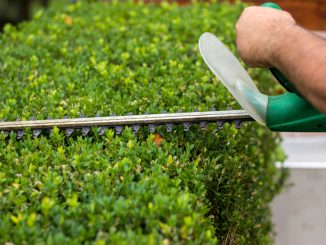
193, 187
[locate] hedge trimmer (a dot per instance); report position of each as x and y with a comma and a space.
287, 112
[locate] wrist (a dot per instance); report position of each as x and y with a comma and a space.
285, 39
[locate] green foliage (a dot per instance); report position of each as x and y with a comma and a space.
195, 188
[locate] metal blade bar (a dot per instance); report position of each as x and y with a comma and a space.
112, 121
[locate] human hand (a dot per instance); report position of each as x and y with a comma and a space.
259, 35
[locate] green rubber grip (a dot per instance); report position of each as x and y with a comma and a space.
291, 113
271, 5
276, 73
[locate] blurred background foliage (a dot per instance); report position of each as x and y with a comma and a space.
309, 13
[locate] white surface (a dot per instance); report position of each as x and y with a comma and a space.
305, 147
299, 212
303, 165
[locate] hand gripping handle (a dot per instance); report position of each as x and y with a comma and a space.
290, 112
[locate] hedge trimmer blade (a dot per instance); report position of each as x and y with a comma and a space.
219, 59
134, 121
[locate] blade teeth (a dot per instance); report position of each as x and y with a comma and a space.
238, 124
20, 134
69, 131
118, 129
203, 125
135, 128
102, 131
85, 130
186, 126
220, 124
169, 127
36, 132
152, 128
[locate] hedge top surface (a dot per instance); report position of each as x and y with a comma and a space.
170, 188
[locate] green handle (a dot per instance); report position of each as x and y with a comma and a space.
276, 73
271, 5
291, 113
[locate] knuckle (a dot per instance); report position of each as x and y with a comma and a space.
237, 26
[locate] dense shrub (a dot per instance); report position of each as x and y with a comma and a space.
181, 187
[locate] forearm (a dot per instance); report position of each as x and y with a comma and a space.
270, 38
301, 56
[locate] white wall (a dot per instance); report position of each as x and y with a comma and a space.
300, 212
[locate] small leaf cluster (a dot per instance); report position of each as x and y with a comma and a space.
91, 58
